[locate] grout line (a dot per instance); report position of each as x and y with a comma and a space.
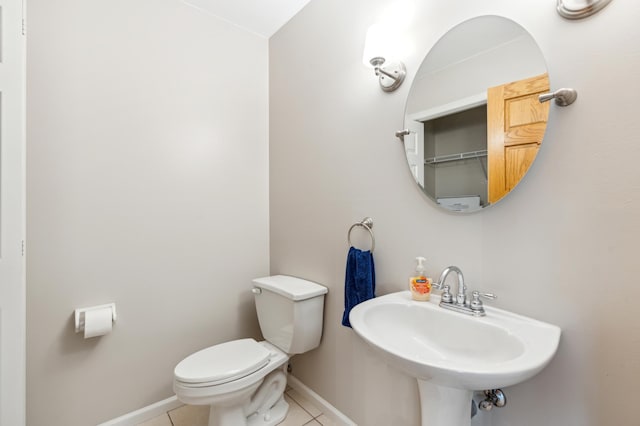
327, 409
298, 404
305, 410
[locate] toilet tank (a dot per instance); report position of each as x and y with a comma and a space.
290, 312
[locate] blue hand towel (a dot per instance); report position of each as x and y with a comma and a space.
359, 281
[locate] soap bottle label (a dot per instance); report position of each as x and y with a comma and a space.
421, 285
420, 288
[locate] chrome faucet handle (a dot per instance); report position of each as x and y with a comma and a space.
446, 295
489, 296
476, 303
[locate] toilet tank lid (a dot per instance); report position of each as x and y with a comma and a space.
291, 287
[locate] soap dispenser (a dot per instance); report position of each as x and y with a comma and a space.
419, 284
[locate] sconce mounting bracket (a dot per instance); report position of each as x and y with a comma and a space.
391, 75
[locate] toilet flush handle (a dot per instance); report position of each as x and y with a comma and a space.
256, 290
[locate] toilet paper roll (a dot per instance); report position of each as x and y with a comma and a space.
98, 322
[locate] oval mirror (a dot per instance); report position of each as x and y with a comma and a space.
473, 120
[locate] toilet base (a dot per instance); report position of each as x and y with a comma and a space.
277, 414
220, 416
264, 404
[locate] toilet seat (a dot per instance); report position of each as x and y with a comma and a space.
201, 392
222, 363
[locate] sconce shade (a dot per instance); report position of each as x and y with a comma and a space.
378, 44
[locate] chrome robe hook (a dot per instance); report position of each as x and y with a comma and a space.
563, 97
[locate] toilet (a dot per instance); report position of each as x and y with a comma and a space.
243, 381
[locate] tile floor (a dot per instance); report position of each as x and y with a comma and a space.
301, 412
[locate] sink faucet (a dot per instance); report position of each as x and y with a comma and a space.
461, 297
460, 303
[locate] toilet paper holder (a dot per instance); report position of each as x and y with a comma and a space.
80, 314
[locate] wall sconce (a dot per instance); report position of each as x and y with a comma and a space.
579, 9
379, 47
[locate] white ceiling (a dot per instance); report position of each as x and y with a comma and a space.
263, 17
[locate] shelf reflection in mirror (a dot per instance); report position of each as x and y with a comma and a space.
473, 117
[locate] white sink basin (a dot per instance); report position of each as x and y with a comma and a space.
453, 350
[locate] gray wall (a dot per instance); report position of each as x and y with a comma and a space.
147, 186
561, 248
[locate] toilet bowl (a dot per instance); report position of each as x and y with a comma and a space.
227, 376
243, 380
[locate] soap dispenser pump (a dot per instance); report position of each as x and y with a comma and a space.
419, 284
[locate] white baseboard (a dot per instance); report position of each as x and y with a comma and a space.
159, 408
146, 413
327, 409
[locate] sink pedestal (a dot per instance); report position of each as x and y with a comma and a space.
444, 406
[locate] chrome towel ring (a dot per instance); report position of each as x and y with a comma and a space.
366, 223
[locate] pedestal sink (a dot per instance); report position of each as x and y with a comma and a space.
452, 354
